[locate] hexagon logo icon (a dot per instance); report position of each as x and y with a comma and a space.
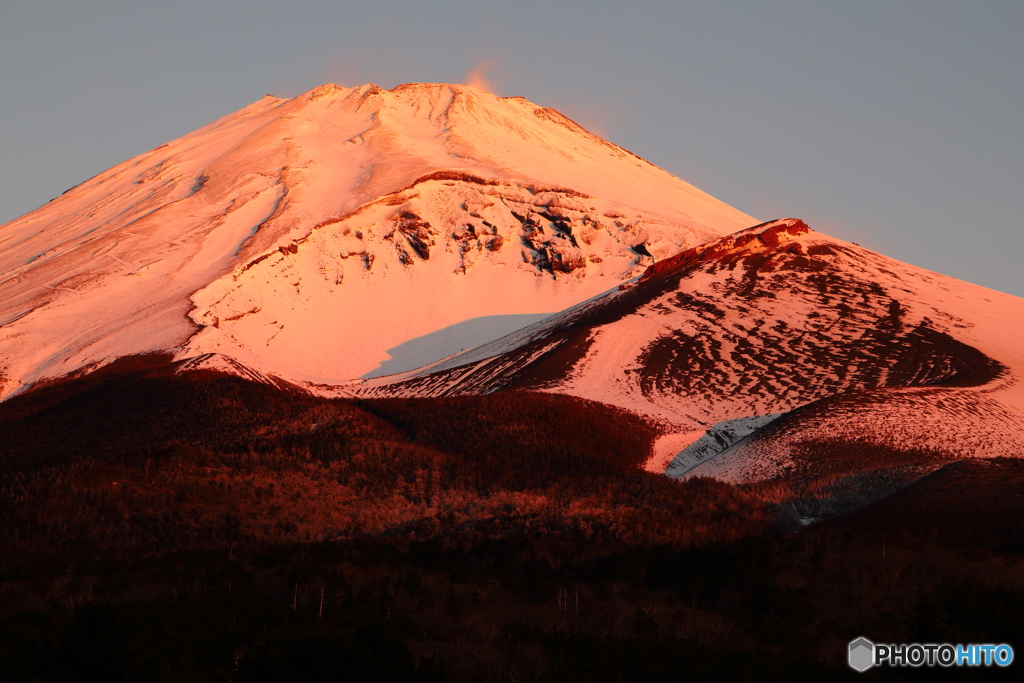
862, 654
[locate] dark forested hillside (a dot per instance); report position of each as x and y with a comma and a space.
199, 527
141, 462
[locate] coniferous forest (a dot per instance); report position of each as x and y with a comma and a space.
164, 527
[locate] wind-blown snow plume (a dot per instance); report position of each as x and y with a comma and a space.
477, 78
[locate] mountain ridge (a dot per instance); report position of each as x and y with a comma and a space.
816, 344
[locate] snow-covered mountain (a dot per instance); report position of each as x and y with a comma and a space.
307, 237
358, 242
774, 350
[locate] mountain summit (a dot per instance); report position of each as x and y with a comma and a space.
308, 236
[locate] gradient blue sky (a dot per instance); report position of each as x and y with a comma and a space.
894, 124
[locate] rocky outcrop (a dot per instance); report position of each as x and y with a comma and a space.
745, 242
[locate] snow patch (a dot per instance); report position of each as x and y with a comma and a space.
721, 436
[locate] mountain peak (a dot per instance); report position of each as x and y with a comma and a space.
312, 237
325, 90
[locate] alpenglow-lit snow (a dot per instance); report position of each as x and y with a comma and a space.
308, 236
775, 351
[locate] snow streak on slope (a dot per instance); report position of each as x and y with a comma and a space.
765, 321
718, 438
327, 200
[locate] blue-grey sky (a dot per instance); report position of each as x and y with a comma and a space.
894, 124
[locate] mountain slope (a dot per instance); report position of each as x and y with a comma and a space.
285, 234
859, 352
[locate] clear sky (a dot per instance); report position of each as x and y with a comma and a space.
898, 125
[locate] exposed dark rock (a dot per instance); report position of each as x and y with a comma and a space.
641, 250
417, 233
